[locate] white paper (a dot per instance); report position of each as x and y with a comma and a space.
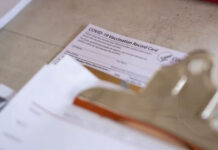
26, 125
41, 116
66, 80
126, 58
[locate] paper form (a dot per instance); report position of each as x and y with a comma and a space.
125, 58
41, 117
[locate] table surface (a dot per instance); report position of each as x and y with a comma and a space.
45, 27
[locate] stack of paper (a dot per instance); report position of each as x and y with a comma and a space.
41, 116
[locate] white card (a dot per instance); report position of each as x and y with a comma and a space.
125, 58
